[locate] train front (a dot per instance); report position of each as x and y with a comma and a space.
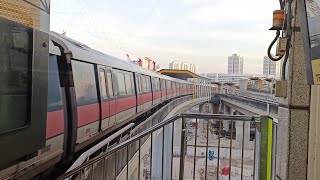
24, 49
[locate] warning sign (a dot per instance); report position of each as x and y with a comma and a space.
316, 71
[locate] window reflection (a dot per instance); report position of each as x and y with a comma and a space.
15, 74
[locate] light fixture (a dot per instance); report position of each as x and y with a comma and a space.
282, 24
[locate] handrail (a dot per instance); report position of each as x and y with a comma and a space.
95, 148
253, 99
153, 129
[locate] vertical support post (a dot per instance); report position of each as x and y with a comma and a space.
207, 143
182, 148
151, 154
139, 162
257, 142
127, 159
274, 148
195, 149
172, 141
266, 148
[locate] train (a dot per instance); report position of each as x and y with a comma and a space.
90, 96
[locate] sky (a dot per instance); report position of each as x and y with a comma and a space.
203, 32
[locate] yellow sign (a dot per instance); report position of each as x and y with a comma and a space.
21, 12
316, 71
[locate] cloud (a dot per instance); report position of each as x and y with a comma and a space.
231, 11
199, 31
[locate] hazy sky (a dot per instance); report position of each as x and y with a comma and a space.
203, 32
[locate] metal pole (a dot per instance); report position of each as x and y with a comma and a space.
139, 163
274, 149
195, 149
207, 144
182, 148
242, 151
172, 141
230, 159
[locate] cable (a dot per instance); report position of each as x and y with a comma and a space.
284, 63
270, 47
289, 35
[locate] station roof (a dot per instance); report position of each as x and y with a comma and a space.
181, 74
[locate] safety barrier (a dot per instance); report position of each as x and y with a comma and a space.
190, 146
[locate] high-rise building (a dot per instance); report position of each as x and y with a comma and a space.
175, 65
183, 66
235, 64
271, 67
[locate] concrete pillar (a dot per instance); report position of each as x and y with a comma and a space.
240, 134
226, 123
293, 126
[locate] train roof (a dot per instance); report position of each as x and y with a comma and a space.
83, 52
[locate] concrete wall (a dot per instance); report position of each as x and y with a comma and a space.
293, 113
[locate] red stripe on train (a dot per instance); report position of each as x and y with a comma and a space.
157, 95
143, 98
126, 103
87, 114
55, 123
113, 109
105, 109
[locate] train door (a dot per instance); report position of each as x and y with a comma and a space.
103, 99
111, 96
163, 90
139, 92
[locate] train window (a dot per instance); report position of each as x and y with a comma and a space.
121, 84
15, 74
158, 84
54, 89
128, 81
103, 83
168, 84
109, 82
141, 84
146, 87
148, 83
132, 83
163, 84
84, 83
154, 85
138, 80
158, 80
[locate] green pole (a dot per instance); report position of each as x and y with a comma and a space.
266, 148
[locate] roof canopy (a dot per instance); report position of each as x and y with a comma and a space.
181, 74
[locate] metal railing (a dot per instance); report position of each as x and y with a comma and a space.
268, 97
189, 146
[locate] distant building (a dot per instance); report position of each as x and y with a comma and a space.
271, 68
235, 64
183, 66
234, 78
175, 65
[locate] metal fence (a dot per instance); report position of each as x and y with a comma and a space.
189, 146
